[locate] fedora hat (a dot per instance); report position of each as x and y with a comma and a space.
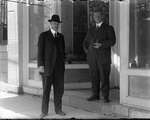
55, 18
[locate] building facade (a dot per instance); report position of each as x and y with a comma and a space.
26, 19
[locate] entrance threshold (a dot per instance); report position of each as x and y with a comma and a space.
33, 64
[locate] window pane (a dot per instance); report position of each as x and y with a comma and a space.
139, 86
139, 43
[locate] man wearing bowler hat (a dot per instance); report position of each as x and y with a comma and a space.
51, 54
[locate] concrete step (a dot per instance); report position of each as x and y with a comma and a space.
73, 72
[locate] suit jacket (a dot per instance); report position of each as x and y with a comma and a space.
50, 48
104, 35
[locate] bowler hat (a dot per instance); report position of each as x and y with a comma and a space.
55, 18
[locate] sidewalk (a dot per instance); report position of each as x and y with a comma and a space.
13, 106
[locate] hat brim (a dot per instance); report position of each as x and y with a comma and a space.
54, 21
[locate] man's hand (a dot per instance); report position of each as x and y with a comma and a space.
41, 69
97, 45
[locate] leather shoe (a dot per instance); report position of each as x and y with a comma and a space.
61, 113
93, 98
43, 115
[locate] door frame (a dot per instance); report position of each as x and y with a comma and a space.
125, 72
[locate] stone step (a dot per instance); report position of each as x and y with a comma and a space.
73, 72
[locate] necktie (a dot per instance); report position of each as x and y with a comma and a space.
97, 27
55, 35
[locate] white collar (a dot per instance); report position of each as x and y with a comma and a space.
99, 24
53, 31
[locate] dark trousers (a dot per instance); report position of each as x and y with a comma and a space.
99, 73
57, 80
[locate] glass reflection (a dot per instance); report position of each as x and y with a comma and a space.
139, 34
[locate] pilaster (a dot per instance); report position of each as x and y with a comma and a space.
16, 47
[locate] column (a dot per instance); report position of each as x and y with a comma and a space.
16, 46
114, 20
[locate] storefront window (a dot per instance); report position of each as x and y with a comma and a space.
139, 34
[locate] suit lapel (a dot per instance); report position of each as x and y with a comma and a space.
101, 27
50, 34
99, 32
50, 38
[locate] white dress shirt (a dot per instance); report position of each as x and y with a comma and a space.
98, 25
53, 32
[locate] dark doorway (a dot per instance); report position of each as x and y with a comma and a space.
80, 26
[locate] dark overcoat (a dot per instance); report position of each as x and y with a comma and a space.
104, 35
50, 48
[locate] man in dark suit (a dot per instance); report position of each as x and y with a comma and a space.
51, 54
97, 45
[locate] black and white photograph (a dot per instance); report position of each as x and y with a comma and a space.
74, 59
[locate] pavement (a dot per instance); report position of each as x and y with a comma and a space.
14, 106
